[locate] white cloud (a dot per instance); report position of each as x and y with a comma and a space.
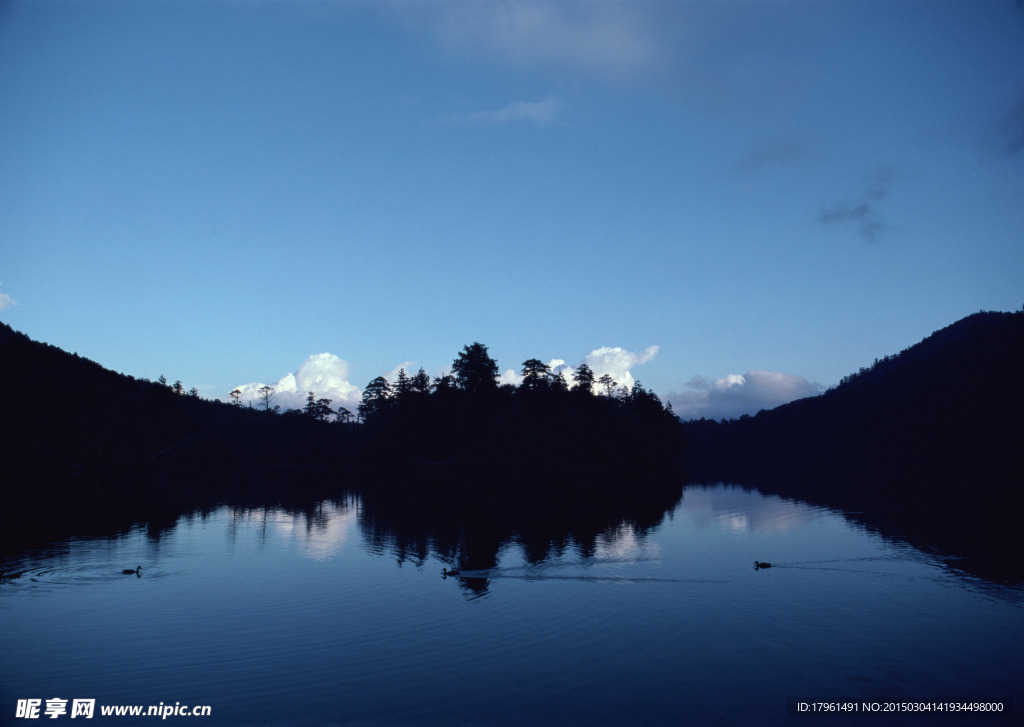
410, 371
559, 366
328, 376
735, 395
542, 113
510, 376
615, 361
323, 373
6, 301
609, 38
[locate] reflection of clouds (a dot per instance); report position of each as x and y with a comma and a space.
743, 511
739, 523
623, 543
319, 534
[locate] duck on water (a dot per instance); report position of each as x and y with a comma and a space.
136, 572
759, 565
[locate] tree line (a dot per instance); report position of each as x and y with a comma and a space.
473, 372
114, 445
466, 424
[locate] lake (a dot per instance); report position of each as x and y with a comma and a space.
338, 613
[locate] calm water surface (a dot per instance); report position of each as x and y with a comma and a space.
277, 618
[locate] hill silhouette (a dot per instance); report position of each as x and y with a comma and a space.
929, 439
82, 444
948, 407
933, 433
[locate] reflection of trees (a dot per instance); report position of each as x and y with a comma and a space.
978, 537
926, 444
127, 450
471, 530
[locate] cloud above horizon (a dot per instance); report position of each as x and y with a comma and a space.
541, 113
328, 377
408, 366
322, 373
615, 361
610, 39
734, 395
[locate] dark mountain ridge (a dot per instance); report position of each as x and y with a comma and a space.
949, 407
937, 429
80, 443
926, 445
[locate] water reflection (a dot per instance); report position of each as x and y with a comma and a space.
715, 505
625, 612
319, 531
976, 537
477, 533
471, 532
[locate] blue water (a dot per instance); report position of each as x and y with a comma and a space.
278, 618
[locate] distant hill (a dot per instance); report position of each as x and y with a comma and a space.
939, 425
78, 442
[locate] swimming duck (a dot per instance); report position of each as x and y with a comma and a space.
445, 572
136, 572
759, 566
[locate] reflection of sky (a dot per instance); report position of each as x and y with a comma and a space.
742, 511
623, 543
238, 612
718, 531
738, 522
320, 535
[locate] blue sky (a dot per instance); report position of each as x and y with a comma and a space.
734, 202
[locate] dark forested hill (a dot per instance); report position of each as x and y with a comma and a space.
78, 440
940, 423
